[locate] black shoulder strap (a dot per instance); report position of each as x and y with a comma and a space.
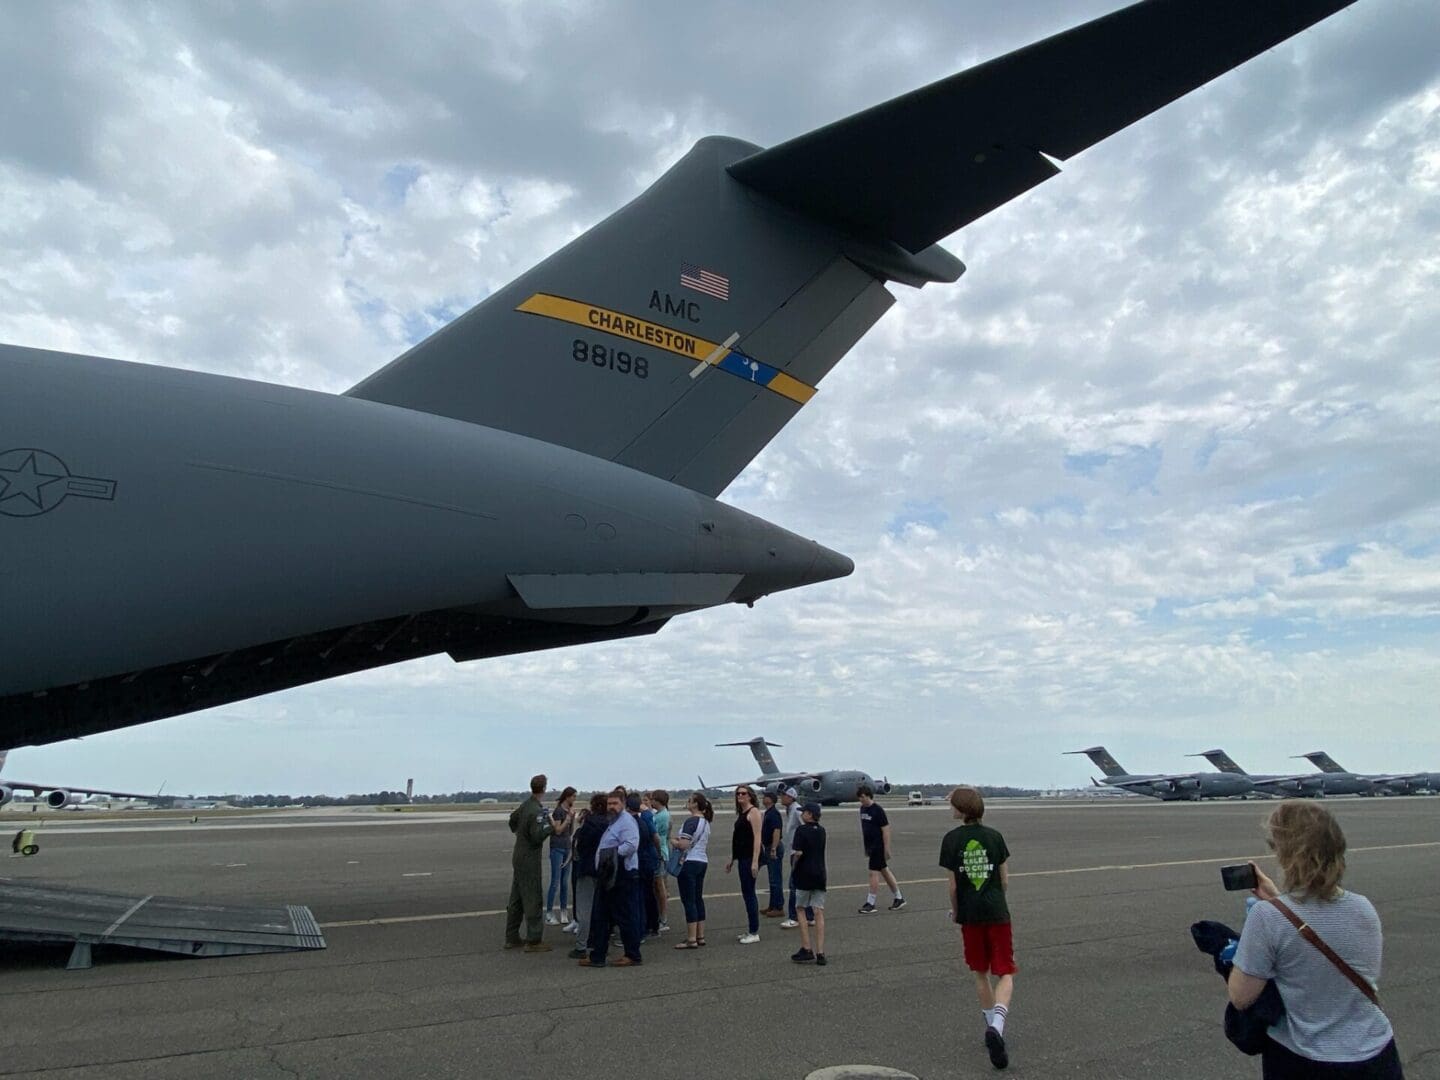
1362, 984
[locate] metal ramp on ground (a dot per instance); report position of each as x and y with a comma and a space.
84, 918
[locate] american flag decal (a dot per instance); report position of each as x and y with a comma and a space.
705, 281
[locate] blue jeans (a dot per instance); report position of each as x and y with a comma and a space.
692, 890
559, 876
747, 890
776, 869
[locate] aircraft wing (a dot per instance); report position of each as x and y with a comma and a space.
40, 789
916, 168
1297, 778
1150, 781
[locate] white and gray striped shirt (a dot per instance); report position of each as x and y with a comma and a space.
1327, 1018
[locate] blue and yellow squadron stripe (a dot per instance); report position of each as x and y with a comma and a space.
731, 361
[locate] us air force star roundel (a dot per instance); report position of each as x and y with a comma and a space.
34, 481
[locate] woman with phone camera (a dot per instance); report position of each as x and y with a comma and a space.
1332, 1027
745, 850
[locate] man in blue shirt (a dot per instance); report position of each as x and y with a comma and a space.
618, 905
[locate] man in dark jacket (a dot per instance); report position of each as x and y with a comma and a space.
586, 843
532, 826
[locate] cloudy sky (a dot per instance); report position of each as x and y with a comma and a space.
1160, 471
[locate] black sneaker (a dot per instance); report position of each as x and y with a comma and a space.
897, 903
820, 959
868, 908
995, 1045
802, 956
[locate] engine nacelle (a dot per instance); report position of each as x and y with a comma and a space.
883, 787
810, 785
1189, 783
60, 798
5, 794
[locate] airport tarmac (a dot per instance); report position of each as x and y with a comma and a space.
414, 982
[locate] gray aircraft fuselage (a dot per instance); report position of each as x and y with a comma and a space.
1176, 788
243, 512
830, 787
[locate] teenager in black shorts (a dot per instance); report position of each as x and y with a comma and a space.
875, 832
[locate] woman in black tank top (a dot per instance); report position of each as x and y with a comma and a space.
745, 850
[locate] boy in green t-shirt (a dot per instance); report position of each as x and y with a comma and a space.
977, 858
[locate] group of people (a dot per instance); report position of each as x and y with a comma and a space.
611, 863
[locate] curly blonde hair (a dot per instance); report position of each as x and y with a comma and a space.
1310, 848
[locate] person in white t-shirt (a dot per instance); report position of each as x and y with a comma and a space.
694, 840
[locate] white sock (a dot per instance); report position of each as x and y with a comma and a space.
870, 899
997, 1018
898, 896
989, 1016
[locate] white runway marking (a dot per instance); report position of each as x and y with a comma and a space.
396, 919
427, 873
121, 920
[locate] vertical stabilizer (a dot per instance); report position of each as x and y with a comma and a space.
3, 755
1222, 761
1323, 761
761, 749
1103, 759
677, 337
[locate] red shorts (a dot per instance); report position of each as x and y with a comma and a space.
988, 948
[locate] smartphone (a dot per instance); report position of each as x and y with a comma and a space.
1239, 877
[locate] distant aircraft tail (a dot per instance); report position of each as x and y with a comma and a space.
3, 755
1323, 761
1221, 760
761, 749
1103, 760
678, 336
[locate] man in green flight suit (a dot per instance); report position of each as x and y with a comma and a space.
531, 824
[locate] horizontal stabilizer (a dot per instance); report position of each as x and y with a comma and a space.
542, 592
914, 169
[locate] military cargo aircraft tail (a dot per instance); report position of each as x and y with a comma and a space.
1323, 761
1103, 760
702, 316
706, 312
760, 747
1221, 760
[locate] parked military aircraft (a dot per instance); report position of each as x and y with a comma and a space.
1167, 787
57, 796
1307, 785
1389, 783
829, 787
543, 471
